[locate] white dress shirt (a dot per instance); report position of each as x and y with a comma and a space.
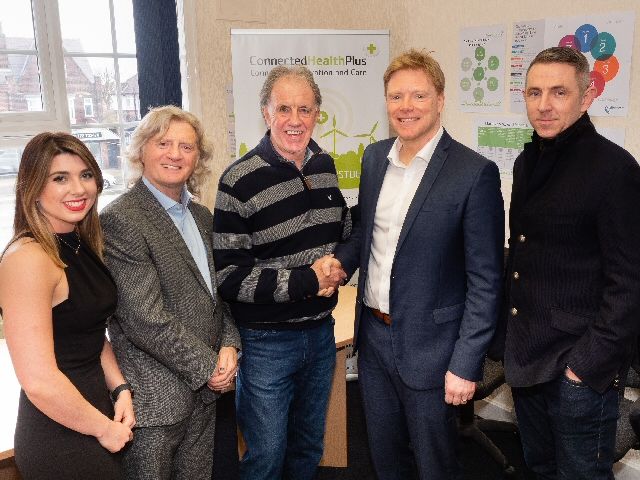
398, 189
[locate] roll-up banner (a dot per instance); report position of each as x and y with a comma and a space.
347, 65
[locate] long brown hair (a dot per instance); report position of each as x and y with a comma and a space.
33, 175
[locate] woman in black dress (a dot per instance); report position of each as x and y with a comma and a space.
56, 296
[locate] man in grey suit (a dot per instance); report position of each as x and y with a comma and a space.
429, 244
172, 335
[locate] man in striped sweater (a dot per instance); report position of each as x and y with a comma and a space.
279, 213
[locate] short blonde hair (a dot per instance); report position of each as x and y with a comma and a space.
416, 60
157, 122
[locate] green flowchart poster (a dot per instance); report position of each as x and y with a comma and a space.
501, 139
481, 68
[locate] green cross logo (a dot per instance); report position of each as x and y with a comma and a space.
372, 48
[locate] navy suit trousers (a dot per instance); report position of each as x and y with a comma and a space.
403, 425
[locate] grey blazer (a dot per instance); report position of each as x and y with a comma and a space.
168, 328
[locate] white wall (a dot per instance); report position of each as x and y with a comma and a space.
413, 23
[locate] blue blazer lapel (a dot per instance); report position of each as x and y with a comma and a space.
431, 173
161, 220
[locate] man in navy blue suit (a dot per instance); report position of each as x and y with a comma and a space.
429, 244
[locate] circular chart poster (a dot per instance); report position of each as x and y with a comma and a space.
606, 42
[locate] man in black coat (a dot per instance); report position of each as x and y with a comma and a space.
571, 306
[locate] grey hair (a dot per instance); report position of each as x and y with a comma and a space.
157, 122
285, 71
569, 56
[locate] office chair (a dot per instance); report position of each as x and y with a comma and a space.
469, 426
628, 430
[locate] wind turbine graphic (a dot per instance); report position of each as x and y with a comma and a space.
334, 131
372, 139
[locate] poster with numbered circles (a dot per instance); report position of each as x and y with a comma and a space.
606, 41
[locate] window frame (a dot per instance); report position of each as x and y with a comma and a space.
55, 115
71, 102
129, 103
88, 107
31, 102
188, 39
51, 62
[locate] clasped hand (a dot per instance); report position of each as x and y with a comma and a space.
225, 371
330, 275
119, 431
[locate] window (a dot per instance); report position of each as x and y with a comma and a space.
9, 162
63, 64
88, 107
31, 100
71, 65
99, 50
187, 38
34, 103
129, 103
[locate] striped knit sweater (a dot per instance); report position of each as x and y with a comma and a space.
271, 222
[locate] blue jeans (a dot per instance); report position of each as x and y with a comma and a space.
568, 430
282, 393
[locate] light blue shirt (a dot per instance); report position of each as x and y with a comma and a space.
186, 225
307, 156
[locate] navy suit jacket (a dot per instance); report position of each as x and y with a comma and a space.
447, 271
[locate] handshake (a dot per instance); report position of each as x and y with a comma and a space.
330, 275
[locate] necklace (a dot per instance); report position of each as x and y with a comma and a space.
75, 249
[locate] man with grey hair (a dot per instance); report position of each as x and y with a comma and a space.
570, 312
173, 336
279, 214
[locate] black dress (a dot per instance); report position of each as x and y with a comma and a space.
45, 449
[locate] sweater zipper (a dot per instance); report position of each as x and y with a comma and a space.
306, 180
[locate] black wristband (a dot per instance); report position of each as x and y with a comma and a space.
117, 390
